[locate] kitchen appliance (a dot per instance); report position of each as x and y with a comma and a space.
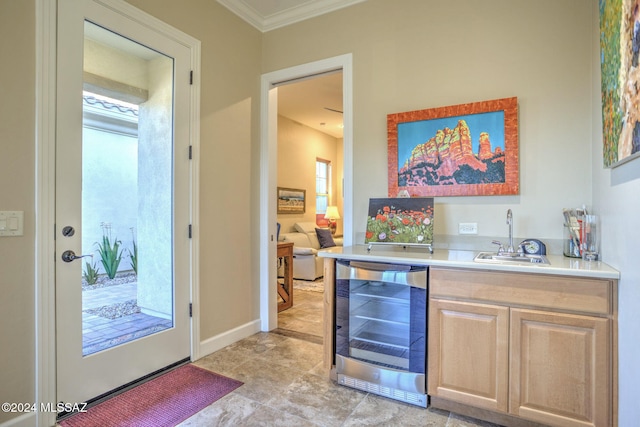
381, 329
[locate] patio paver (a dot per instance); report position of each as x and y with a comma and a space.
100, 333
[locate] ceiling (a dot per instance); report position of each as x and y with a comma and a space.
315, 102
268, 15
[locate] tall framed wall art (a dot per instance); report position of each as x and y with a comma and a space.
620, 71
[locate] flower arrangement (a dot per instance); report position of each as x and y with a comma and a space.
392, 223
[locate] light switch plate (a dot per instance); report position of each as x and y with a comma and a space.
11, 223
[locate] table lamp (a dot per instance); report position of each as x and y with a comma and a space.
332, 215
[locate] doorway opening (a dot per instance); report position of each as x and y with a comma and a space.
309, 158
270, 166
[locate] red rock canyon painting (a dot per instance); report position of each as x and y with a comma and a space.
461, 150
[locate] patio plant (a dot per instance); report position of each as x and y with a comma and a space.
91, 273
110, 253
134, 255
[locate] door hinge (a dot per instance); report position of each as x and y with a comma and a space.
191, 77
190, 152
190, 310
190, 230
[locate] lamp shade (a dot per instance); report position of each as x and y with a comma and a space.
332, 213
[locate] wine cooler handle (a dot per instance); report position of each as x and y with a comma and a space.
377, 266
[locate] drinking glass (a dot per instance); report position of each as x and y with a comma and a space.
590, 238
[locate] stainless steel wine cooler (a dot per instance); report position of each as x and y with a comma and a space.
381, 329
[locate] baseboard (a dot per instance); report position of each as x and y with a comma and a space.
482, 414
24, 420
224, 339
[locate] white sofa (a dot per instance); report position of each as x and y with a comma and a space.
307, 265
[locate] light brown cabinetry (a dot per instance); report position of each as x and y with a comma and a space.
473, 373
524, 346
560, 368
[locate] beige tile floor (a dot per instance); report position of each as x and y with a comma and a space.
304, 319
285, 385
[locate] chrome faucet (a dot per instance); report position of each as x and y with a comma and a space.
510, 248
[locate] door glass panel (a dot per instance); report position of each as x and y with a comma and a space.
127, 175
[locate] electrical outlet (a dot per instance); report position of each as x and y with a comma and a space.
468, 228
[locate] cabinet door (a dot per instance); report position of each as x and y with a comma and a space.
560, 368
468, 350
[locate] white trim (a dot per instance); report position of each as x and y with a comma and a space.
287, 16
268, 167
194, 132
44, 266
268, 184
220, 341
144, 19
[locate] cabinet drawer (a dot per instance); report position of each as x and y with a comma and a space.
577, 294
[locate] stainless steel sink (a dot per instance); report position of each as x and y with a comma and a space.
495, 258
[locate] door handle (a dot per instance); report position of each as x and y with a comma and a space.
68, 256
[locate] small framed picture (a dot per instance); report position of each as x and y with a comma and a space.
400, 221
291, 200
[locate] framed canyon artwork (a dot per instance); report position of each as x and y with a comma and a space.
460, 150
620, 84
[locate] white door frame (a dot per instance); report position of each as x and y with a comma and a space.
268, 169
44, 266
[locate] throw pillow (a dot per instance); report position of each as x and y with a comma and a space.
325, 238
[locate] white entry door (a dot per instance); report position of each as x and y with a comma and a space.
122, 212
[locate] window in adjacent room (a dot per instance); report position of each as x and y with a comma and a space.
323, 185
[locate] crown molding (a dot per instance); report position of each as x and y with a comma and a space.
306, 9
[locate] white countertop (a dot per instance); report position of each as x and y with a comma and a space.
560, 265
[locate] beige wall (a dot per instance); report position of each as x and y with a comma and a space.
418, 54
298, 148
17, 161
229, 158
